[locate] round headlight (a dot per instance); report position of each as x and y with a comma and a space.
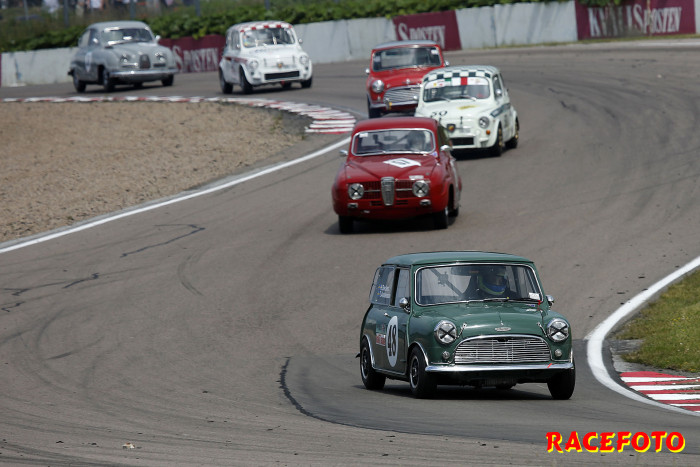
253, 65
378, 86
356, 191
558, 330
304, 60
421, 188
445, 332
484, 122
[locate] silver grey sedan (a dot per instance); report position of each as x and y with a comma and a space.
121, 52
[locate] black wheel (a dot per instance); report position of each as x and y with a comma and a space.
422, 384
440, 219
497, 149
78, 84
306, 83
513, 142
107, 82
370, 378
138, 85
226, 87
287, 85
454, 205
345, 224
373, 113
561, 386
168, 81
245, 85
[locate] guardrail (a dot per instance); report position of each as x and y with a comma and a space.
471, 28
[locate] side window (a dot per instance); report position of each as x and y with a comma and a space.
236, 42
382, 286
402, 286
94, 39
497, 86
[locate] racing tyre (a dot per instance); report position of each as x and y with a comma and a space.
78, 84
138, 85
345, 224
226, 87
422, 384
454, 206
245, 85
561, 386
513, 142
306, 83
440, 219
370, 378
497, 149
107, 82
168, 81
286, 85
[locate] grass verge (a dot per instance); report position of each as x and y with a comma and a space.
669, 329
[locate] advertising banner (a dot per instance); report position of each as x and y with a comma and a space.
440, 27
636, 18
196, 55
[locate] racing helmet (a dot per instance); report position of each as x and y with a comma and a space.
492, 280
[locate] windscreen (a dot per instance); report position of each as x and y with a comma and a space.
473, 282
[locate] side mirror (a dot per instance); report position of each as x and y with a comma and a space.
405, 304
343, 152
158, 38
366, 71
447, 63
445, 147
550, 300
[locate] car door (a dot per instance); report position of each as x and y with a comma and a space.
389, 318
79, 57
503, 100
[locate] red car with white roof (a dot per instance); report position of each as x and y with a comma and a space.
395, 72
263, 52
397, 168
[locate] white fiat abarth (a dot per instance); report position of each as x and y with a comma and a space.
263, 52
473, 104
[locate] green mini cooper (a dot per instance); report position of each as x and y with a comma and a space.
467, 318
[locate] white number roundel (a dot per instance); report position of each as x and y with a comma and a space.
392, 340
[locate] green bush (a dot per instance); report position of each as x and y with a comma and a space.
49, 31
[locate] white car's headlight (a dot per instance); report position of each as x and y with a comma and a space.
558, 330
484, 122
378, 86
356, 191
253, 65
421, 188
304, 60
446, 332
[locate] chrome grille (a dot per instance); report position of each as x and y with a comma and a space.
402, 95
502, 349
144, 62
388, 190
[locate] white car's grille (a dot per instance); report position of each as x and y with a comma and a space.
502, 349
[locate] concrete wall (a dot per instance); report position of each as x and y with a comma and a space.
337, 41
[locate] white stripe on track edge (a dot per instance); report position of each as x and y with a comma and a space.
596, 337
176, 199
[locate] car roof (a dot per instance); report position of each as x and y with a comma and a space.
386, 123
472, 70
119, 24
393, 44
442, 257
251, 25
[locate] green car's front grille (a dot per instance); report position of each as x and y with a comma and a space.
502, 349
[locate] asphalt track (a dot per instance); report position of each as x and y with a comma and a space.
222, 330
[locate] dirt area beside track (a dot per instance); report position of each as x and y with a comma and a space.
61, 163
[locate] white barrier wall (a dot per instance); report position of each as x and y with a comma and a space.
338, 41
